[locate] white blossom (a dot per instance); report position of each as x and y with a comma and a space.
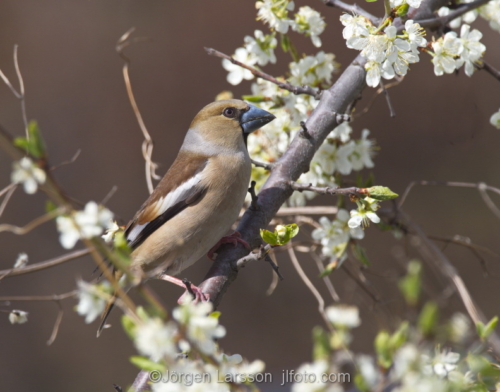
90, 304
472, 49
355, 26
415, 34
261, 47
26, 172
154, 339
310, 23
333, 158
368, 370
365, 213
83, 224
202, 328
110, 232
313, 70
445, 52
341, 132
442, 364
275, 14
21, 261
236, 73
491, 12
468, 17
343, 316
495, 119
363, 152
460, 327
18, 317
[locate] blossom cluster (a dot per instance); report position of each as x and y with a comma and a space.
26, 172
259, 50
387, 53
491, 12
451, 52
85, 224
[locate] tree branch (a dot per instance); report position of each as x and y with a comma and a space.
437, 22
353, 9
292, 164
284, 85
353, 191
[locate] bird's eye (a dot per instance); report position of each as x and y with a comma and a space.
229, 112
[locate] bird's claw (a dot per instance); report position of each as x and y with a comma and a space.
234, 239
195, 292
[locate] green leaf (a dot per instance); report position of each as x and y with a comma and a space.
428, 318
399, 337
129, 326
321, 348
282, 235
381, 193
285, 42
50, 206
371, 1
382, 348
360, 254
146, 363
270, 238
402, 10
484, 331
410, 285
34, 144
329, 269
254, 98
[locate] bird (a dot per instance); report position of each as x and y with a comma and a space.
198, 199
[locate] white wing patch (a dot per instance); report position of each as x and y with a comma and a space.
182, 192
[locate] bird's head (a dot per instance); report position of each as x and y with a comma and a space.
226, 125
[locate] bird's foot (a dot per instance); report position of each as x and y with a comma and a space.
194, 291
191, 289
229, 239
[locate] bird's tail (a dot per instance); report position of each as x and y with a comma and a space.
109, 306
105, 314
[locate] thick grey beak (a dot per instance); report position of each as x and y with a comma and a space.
255, 118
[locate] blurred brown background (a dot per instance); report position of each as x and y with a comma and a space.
75, 90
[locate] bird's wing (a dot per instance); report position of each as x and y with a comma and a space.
180, 187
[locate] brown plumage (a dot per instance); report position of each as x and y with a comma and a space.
199, 197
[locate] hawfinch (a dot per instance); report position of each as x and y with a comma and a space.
200, 197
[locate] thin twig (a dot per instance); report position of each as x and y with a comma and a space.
45, 264
274, 267
19, 95
64, 163
431, 253
481, 187
275, 279
147, 145
309, 210
488, 68
21, 90
466, 242
268, 166
57, 324
10, 191
284, 85
254, 204
437, 22
353, 9
326, 279
379, 91
54, 297
392, 113
353, 191
32, 225
310, 286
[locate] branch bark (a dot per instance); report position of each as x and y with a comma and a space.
292, 164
